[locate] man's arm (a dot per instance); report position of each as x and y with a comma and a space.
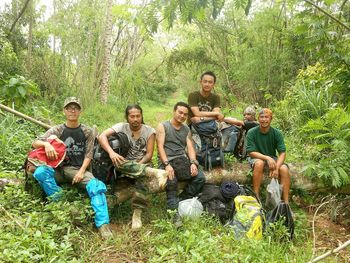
160, 137
103, 140
233, 121
191, 154
42, 142
149, 150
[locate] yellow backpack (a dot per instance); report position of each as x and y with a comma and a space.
248, 218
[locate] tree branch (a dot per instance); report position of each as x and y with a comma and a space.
328, 14
336, 250
19, 16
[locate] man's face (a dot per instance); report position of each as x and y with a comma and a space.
72, 112
207, 83
135, 118
265, 120
248, 117
180, 114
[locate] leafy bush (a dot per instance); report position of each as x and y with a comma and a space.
18, 89
35, 231
16, 136
330, 151
206, 240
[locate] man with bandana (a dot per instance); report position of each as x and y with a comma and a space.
263, 142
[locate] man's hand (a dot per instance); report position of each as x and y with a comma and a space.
50, 151
194, 170
272, 163
274, 173
78, 177
220, 116
117, 159
170, 171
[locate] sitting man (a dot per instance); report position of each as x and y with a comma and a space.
173, 138
262, 143
79, 141
234, 132
141, 140
205, 105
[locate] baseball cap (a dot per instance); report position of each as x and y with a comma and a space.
70, 100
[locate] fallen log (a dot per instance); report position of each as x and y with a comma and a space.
239, 172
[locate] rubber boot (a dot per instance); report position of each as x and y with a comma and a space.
105, 231
136, 220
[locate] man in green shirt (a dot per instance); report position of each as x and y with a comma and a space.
263, 142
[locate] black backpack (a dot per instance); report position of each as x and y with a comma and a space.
102, 166
210, 153
214, 203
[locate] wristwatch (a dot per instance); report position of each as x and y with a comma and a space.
194, 162
166, 163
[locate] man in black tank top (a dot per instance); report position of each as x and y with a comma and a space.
79, 141
173, 138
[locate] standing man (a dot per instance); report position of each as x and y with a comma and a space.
173, 138
204, 104
79, 141
262, 143
141, 140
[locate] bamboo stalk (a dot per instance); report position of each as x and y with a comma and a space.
19, 114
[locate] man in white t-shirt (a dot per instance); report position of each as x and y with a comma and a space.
141, 145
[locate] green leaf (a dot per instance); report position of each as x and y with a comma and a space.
13, 82
22, 91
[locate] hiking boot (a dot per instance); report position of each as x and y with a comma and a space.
105, 231
177, 221
136, 220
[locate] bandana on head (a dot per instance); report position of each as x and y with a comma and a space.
249, 110
265, 111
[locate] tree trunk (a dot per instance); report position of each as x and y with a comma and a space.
107, 55
30, 37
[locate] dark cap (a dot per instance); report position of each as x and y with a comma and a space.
70, 100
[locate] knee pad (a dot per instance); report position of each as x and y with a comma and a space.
45, 175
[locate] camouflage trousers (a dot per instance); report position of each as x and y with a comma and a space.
131, 174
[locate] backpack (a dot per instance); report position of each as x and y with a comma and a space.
209, 154
248, 218
214, 203
102, 166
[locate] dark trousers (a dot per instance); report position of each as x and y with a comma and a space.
193, 187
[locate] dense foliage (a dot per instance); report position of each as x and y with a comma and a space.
292, 56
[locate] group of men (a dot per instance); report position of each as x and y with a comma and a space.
176, 151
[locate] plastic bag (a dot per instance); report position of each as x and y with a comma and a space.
274, 190
282, 212
192, 208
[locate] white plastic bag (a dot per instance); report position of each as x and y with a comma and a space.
274, 191
192, 208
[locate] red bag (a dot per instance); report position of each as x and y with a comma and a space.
38, 156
